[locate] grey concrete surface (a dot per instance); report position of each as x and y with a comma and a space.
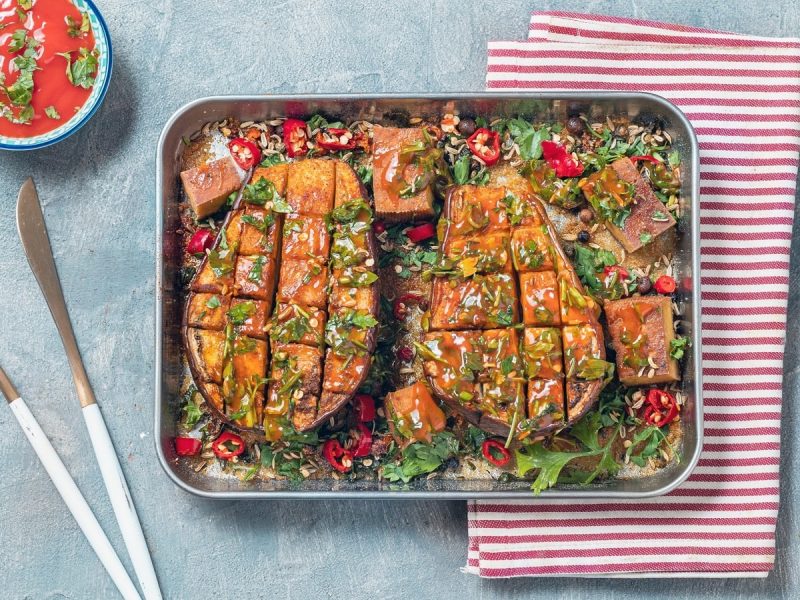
97, 189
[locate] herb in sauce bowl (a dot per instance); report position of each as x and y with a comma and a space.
55, 67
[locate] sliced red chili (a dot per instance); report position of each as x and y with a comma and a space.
187, 446
295, 137
365, 407
622, 272
496, 453
562, 162
660, 409
363, 442
485, 144
339, 458
201, 240
421, 232
665, 285
402, 304
336, 139
228, 445
245, 153
645, 158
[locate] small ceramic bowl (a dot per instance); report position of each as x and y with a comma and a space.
79, 119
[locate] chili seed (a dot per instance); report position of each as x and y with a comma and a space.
583, 236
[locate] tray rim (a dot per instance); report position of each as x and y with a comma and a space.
555, 493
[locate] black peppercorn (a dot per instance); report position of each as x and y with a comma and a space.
643, 285
583, 236
575, 125
467, 126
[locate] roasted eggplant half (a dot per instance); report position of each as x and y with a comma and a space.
279, 326
531, 381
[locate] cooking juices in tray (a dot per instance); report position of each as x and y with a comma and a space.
405, 299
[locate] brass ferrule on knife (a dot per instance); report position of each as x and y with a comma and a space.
7, 388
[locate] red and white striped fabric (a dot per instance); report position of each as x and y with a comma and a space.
742, 94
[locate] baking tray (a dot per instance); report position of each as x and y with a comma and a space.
169, 369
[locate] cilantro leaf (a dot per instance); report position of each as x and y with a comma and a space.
18, 39
677, 347
418, 458
75, 29
81, 72
51, 112
461, 170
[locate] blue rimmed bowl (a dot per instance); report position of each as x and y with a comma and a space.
79, 119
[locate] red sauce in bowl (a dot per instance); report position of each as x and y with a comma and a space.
42, 31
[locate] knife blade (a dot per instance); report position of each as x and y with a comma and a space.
36, 243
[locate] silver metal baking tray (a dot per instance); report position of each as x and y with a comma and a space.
169, 368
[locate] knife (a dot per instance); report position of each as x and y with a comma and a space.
36, 243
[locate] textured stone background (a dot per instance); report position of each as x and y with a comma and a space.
97, 188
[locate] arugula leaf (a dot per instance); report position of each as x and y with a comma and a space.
418, 458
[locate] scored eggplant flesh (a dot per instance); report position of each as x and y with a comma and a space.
260, 323
483, 356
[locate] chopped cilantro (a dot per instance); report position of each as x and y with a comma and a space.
677, 347
51, 112
419, 458
75, 29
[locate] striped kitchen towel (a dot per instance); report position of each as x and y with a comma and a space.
742, 94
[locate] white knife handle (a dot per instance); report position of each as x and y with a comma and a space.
121, 502
74, 500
